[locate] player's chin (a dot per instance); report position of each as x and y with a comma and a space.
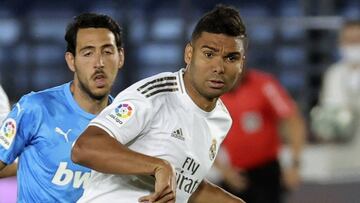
100, 93
215, 93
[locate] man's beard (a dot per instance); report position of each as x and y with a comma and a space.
87, 90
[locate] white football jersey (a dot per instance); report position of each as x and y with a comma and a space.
341, 87
156, 117
4, 105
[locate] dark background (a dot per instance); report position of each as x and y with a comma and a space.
295, 40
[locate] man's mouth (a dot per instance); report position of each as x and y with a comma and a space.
216, 84
100, 80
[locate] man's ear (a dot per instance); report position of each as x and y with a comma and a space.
188, 53
70, 60
122, 58
243, 61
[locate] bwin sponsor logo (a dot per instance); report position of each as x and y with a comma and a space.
64, 176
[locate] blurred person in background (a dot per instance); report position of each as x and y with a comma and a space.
8, 185
168, 120
337, 116
42, 126
262, 112
341, 85
4, 110
4, 105
336, 119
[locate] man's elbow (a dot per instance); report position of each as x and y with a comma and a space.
77, 154
7, 170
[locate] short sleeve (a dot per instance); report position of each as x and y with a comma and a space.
18, 129
280, 101
126, 118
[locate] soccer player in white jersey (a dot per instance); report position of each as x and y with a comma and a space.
4, 105
42, 126
158, 139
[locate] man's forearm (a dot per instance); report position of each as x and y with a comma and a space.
99, 151
7, 170
297, 134
210, 193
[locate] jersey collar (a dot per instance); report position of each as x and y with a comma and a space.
75, 105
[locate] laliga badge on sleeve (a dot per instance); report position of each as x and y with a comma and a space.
7, 133
122, 113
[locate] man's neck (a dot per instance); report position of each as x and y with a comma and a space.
87, 103
201, 101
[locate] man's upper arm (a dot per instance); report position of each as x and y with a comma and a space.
17, 129
90, 141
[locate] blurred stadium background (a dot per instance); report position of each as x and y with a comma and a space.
293, 39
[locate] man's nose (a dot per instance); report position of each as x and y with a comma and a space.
99, 62
219, 66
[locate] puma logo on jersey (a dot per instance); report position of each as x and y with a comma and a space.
178, 134
61, 132
64, 176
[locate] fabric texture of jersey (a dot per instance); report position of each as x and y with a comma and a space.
156, 117
341, 87
4, 105
255, 106
41, 129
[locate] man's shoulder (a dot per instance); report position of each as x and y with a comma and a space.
261, 76
156, 85
155, 79
43, 97
336, 68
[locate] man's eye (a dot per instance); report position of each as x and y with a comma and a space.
108, 52
232, 58
208, 54
87, 54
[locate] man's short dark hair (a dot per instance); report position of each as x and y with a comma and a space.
91, 20
351, 23
222, 20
